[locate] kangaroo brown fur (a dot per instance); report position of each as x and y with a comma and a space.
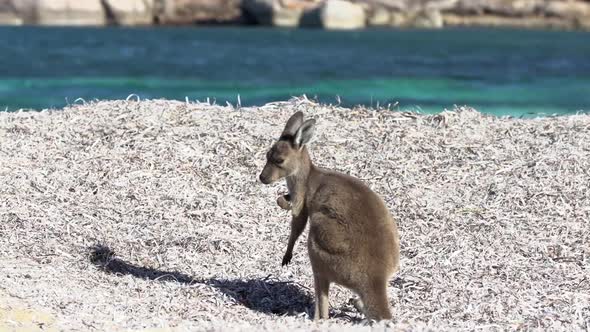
353, 240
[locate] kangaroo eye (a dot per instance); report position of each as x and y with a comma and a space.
279, 161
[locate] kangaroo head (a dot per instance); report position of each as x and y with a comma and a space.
285, 157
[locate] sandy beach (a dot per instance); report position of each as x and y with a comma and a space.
147, 215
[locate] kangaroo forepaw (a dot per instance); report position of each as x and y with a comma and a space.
284, 202
287, 259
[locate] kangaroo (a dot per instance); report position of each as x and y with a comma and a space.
353, 240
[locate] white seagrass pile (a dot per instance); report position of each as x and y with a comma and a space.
127, 215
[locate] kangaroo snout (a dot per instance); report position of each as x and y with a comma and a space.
264, 179
266, 176
270, 173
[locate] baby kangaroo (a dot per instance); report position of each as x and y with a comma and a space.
353, 240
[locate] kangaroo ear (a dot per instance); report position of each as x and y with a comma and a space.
293, 124
305, 133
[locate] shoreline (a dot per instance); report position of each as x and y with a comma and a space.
388, 108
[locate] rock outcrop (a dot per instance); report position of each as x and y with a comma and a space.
283, 13
559, 14
69, 12
329, 14
9, 14
129, 12
378, 16
341, 14
197, 11
567, 9
428, 19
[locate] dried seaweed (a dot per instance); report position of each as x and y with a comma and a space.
494, 216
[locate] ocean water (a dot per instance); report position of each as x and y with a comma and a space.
497, 71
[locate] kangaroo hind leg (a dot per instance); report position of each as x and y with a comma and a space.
322, 288
374, 301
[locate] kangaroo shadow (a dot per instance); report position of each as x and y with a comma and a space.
261, 294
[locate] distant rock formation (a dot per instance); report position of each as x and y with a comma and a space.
197, 11
9, 15
66, 12
282, 13
562, 14
53, 12
341, 14
118, 12
329, 14
129, 12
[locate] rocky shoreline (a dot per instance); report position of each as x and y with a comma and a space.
328, 14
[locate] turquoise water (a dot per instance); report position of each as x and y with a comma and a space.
497, 71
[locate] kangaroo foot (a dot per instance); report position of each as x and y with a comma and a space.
358, 304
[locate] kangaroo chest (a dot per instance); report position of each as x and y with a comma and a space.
297, 196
